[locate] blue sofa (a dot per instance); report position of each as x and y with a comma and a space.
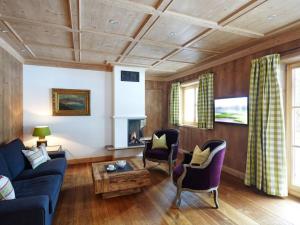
36, 190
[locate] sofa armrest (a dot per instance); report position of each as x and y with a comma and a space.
58, 154
25, 211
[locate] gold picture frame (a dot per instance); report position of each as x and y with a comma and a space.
70, 102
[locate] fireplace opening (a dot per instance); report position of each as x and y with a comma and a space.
135, 132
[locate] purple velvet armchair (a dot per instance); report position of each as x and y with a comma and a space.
163, 155
201, 178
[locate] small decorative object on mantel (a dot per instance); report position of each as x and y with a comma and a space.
41, 132
70, 102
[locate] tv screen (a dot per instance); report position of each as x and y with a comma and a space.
232, 110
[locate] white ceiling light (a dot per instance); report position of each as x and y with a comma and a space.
271, 17
113, 22
172, 34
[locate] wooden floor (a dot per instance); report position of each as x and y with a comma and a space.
238, 204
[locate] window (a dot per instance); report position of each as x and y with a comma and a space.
189, 96
293, 128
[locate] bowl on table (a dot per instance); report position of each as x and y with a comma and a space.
121, 163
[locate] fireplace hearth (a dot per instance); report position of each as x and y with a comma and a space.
135, 132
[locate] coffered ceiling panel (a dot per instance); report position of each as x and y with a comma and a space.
92, 41
172, 34
214, 10
157, 73
66, 54
148, 50
50, 11
221, 41
110, 19
190, 56
139, 60
93, 57
270, 16
172, 66
147, 2
168, 30
43, 34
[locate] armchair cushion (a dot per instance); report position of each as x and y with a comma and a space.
199, 156
159, 142
158, 153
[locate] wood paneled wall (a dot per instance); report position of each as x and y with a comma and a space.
231, 80
11, 97
156, 106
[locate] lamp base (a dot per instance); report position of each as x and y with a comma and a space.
39, 142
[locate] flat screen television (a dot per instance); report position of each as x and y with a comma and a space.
232, 110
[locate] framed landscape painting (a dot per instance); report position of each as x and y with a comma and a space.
70, 102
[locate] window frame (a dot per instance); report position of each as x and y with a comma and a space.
293, 189
184, 86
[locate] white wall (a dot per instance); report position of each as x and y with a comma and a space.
81, 136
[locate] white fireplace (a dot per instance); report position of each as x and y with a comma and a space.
129, 101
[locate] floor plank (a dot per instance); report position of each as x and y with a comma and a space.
78, 205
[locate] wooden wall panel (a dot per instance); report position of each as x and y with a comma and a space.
156, 106
11, 97
231, 80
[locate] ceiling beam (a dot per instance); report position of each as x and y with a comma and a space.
163, 5
236, 14
74, 25
18, 38
11, 50
67, 64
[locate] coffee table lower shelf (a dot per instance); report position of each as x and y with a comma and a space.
113, 184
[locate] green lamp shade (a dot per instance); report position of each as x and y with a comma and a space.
41, 131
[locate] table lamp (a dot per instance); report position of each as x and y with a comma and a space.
41, 132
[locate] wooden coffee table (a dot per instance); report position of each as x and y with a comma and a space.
112, 184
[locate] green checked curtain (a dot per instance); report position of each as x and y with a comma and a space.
174, 103
266, 159
206, 101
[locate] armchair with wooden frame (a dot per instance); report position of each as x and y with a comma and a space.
163, 155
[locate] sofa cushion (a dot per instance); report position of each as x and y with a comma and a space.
4, 168
15, 160
51, 167
45, 185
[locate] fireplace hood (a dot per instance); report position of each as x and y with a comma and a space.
128, 101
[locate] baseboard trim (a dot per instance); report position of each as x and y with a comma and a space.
90, 159
233, 172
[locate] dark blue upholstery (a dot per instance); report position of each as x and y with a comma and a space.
4, 168
37, 190
26, 211
15, 159
54, 166
45, 185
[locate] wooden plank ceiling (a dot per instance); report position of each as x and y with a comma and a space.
164, 36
